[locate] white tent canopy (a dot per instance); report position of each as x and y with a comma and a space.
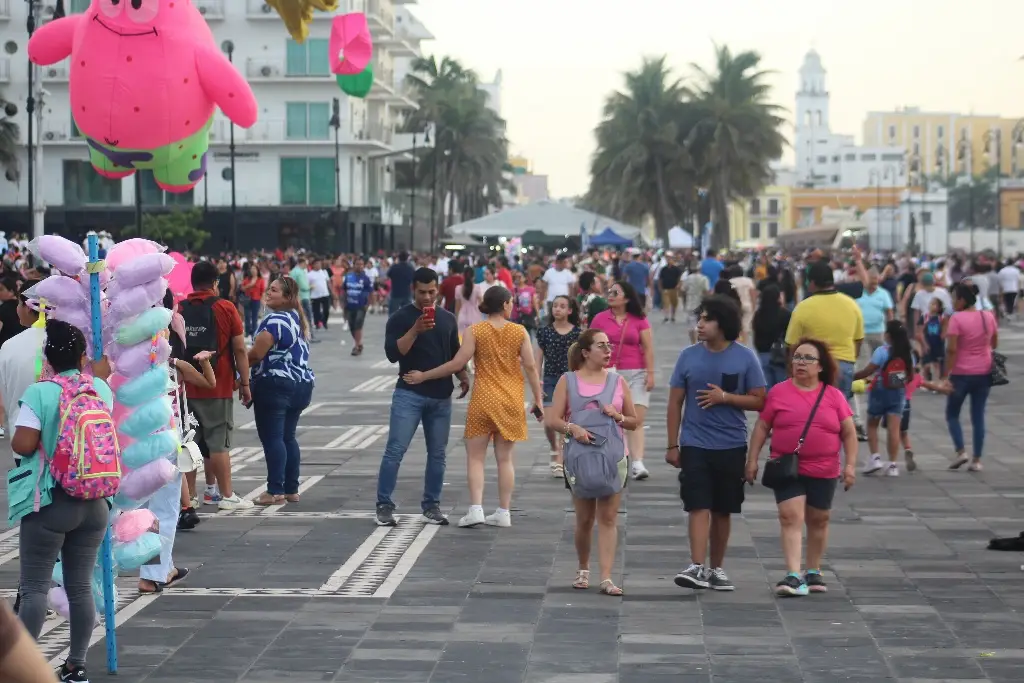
550, 218
679, 239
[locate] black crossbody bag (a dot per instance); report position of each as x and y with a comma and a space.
784, 470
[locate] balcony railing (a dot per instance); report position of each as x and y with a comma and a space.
274, 131
212, 10
5, 10
380, 17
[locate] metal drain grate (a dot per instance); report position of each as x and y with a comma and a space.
56, 633
375, 560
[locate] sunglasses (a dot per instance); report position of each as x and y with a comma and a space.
800, 358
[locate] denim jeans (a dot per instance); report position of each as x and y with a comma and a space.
773, 374
252, 316
408, 410
307, 308
977, 387
277, 404
396, 302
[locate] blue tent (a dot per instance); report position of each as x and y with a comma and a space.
609, 238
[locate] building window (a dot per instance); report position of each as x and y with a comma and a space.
773, 207
835, 159
307, 120
755, 231
307, 59
917, 148
835, 179
806, 216
755, 207
75, 133
892, 133
308, 181
867, 157
819, 117
894, 157
926, 218
153, 195
851, 157
84, 186
78, 6
822, 160
773, 230
941, 131
917, 132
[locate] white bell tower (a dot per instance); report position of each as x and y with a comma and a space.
811, 122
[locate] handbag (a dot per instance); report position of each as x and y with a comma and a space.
781, 471
190, 457
997, 374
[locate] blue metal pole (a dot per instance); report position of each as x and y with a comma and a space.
106, 550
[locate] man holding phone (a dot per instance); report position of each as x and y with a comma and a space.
419, 336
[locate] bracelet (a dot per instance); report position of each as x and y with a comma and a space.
672, 448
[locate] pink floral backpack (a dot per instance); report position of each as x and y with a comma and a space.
86, 461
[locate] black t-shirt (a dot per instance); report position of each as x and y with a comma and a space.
670, 276
400, 275
853, 289
431, 349
768, 328
556, 349
9, 319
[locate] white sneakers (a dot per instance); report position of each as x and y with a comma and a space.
475, 517
638, 471
876, 464
235, 502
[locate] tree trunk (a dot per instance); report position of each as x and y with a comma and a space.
720, 207
661, 226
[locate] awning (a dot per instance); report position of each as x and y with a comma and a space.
551, 218
609, 238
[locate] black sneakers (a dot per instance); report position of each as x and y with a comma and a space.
386, 514
694, 576
432, 516
188, 519
72, 674
815, 582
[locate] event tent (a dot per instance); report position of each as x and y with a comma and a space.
550, 218
609, 238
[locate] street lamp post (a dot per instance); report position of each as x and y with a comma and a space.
229, 47
30, 108
412, 194
963, 153
433, 192
1017, 138
892, 172
336, 125
875, 178
916, 166
994, 149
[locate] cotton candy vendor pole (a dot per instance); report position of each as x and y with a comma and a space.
106, 550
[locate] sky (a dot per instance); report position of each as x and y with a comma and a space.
561, 58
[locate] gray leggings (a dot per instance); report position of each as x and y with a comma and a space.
73, 528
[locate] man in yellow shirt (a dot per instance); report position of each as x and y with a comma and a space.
832, 317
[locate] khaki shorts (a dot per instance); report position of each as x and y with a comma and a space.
636, 380
216, 417
670, 299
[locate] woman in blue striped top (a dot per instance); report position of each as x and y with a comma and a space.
282, 387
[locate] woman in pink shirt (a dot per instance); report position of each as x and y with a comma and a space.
808, 499
970, 337
626, 325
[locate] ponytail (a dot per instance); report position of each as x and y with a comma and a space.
575, 356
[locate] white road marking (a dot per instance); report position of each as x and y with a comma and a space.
338, 578
357, 437
378, 383
384, 365
406, 562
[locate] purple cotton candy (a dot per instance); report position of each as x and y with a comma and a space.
132, 361
58, 600
79, 317
129, 302
143, 269
60, 252
142, 483
60, 290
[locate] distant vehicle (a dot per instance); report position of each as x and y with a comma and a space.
839, 230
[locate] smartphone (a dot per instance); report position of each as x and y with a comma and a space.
538, 412
597, 440
429, 312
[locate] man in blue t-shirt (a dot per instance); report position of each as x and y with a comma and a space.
711, 268
638, 275
400, 274
357, 288
717, 380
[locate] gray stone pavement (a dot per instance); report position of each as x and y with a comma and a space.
316, 592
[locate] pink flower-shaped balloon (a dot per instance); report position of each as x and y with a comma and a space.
351, 47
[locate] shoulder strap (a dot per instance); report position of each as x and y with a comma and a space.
607, 395
810, 419
576, 402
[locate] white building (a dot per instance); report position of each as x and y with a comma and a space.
827, 159
889, 227
285, 162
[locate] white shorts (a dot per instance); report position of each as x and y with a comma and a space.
636, 380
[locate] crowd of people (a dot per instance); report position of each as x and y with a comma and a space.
795, 340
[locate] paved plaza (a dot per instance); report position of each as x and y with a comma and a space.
315, 591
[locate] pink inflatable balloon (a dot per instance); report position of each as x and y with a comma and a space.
122, 252
350, 46
180, 280
145, 78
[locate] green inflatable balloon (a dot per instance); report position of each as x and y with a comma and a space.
359, 84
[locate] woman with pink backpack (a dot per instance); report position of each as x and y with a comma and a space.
59, 491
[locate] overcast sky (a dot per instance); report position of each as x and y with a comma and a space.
561, 58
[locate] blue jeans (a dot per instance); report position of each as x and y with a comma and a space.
773, 374
408, 410
396, 302
252, 316
846, 371
277, 404
307, 309
977, 387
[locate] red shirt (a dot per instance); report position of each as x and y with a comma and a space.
229, 325
505, 275
254, 288
448, 288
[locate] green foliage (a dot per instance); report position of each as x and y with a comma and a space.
180, 229
660, 139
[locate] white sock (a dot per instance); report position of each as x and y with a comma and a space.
211, 489
476, 508
876, 456
501, 512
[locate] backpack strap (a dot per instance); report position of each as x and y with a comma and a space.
607, 395
577, 403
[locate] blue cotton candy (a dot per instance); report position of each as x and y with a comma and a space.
153, 447
131, 556
147, 418
123, 502
151, 384
143, 327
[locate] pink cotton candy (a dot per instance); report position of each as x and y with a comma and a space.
58, 600
142, 483
127, 303
125, 251
143, 269
129, 526
135, 360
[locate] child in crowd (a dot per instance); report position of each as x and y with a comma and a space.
916, 382
932, 339
892, 366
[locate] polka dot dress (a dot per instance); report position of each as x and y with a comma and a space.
499, 392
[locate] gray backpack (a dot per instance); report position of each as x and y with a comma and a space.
594, 470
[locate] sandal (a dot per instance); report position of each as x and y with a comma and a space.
609, 588
269, 499
557, 470
157, 588
292, 497
582, 581
179, 575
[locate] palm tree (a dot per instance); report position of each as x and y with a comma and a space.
10, 135
641, 166
660, 139
469, 148
736, 133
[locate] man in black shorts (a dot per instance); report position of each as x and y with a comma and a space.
356, 289
716, 380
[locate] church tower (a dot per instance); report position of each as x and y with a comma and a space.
811, 123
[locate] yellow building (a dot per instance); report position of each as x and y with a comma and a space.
806, 203
762, 218
947, 143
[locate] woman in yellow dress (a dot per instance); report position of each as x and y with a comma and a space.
500, 351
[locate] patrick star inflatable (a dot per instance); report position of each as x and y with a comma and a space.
145, 78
